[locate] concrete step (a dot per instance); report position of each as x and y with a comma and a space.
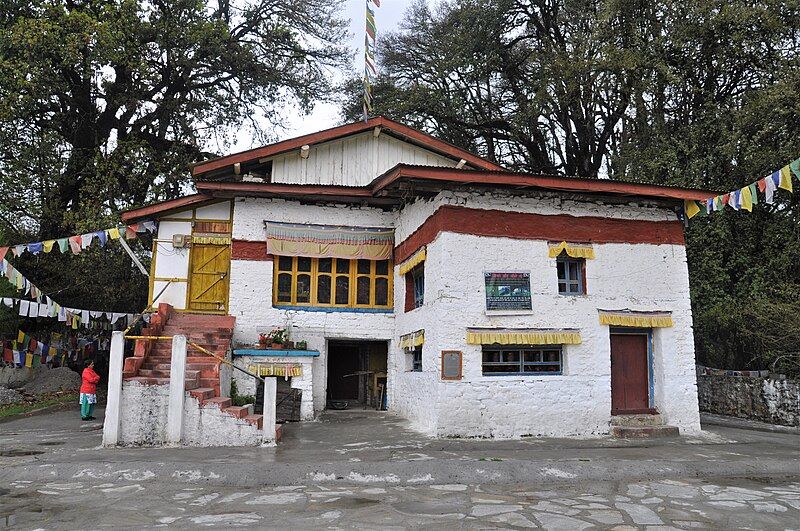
255, 420
217, 401
637, 420
239, 412
644, 432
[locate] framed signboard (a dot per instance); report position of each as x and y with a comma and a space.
507, 290
451, 365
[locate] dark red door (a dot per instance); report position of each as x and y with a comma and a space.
629, 374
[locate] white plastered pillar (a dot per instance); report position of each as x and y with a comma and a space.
113, 402
177, 391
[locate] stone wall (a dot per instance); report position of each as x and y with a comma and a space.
764, 399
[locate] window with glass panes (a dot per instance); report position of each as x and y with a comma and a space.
571, 279
510, 360
332, 282
416, 359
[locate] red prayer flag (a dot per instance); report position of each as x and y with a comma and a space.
725, 198
8, 355
3, 251
762, 185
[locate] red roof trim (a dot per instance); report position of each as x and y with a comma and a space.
164, 206
522, 180
338, 132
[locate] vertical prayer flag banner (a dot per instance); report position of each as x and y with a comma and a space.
370, 66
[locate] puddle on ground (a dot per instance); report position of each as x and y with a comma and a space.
19, 453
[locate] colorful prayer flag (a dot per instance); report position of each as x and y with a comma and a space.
691, 208
746, 199
786, 178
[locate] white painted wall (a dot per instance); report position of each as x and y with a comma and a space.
251, 285
351, 161
143, 420
642, 276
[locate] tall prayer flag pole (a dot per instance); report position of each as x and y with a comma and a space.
370, 68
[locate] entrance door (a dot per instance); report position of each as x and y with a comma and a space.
629, 374
209, 279
357, 372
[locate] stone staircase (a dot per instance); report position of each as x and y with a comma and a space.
151, 362
641, 427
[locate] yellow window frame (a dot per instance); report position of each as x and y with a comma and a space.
352, 287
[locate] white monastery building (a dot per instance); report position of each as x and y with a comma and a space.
416, 277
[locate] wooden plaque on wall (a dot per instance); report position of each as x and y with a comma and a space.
451, 365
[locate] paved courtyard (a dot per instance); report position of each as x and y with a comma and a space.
368, 470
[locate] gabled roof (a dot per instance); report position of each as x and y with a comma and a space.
399, 130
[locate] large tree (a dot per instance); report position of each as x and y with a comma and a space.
692, 93
105, 103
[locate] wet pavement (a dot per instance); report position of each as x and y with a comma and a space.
369, 470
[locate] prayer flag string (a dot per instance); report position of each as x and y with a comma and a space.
79, 242
745, 198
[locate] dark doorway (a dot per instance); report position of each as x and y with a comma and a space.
630, 379
357, 373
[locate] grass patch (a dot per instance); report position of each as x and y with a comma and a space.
20, 408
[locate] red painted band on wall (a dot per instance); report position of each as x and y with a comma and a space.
524, 226
249, 250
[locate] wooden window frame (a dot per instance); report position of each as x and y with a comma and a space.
581, 280
412, 301
523, 349
352, 288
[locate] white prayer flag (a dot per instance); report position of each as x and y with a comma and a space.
33, 310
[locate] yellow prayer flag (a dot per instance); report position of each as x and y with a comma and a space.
53, 351
786, 178
746, 199
28, 359
691, 208
48, 245
20, 337
113, 233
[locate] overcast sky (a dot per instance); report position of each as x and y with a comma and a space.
387, 18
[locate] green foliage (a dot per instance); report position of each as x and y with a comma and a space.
692, 93
104, 105
240, 400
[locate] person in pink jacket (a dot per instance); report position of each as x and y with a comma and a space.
89, 380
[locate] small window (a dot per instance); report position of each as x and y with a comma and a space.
416, 359
415, 288
511, 360
571, 275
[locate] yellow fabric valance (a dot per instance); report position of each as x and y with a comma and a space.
573, 250
636, 319
488, 336
212, 240
329, 241
414, 339
273, 369
416, 259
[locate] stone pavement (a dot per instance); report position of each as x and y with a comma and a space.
367, 469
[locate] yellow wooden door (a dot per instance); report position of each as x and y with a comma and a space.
209, 280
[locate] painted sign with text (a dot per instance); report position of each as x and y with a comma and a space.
507, 290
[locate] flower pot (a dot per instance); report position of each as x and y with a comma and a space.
290, 344
277, 346
262, 344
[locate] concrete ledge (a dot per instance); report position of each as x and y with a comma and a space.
540, 472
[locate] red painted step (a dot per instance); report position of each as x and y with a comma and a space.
218, 401
202, 393
239, 412
255, 420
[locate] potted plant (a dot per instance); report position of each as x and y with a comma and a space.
263, 340
302, 345
278, 338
